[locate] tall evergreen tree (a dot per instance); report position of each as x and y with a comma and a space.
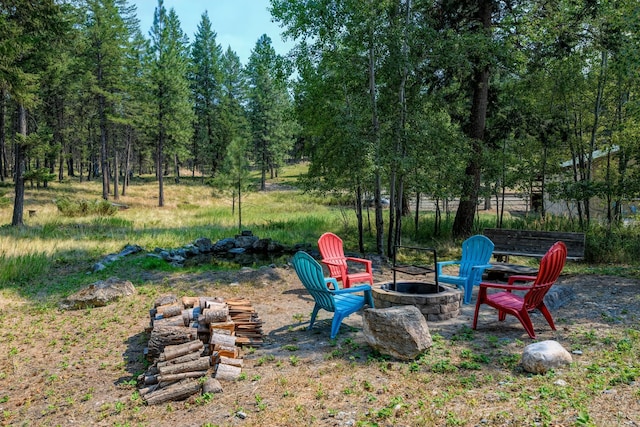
30, 31
108, 37
268, 107
208, 143
173, 115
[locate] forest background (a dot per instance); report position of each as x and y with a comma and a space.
453, 100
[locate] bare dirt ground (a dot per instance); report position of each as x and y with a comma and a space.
75, 368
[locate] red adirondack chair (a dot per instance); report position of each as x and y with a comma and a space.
333, 257
507, 302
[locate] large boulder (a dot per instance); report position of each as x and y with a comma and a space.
543, 356
99, 294
401, 332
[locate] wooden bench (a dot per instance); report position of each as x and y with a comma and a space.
529, 243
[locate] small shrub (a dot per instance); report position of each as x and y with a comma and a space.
71, 208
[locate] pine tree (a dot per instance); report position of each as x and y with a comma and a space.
268, 107
208, 144
30, 31
173, 113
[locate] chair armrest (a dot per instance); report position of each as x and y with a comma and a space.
366, 262
360, 288
333, 281
440, 264
481, 267
504, 286
520, 278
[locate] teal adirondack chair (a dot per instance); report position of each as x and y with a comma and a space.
342, 302
476, 253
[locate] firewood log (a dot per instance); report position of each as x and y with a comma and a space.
170, 378
169, 321
233, 362
189, 315
205, 300
178, 391
212, 315
165, 300
181, 359
200, 364
222, 339
228, 372
227, 328
211, 385
173, 351
227, 351
146, 390
170, 310
163, 336
190, 302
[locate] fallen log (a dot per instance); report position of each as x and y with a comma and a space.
178, 391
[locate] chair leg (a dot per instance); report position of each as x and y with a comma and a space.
314, 313
475, 316
547, 315
468, 293
335, 324
524, 318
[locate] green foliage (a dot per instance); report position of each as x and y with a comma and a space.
39, 175
23, 269
82, 207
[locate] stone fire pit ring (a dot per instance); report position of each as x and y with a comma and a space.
435, 306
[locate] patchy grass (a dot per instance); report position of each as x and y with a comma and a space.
62, 367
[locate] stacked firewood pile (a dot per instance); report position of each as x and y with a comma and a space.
195, 342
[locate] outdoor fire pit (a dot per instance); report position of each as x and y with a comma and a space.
436, 304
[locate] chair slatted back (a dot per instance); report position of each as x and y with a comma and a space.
331, 248
311, 276
476, 250
551, 266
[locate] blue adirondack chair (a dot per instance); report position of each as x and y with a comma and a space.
342, 302
476, 253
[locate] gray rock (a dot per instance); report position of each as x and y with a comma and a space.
203, 244
261, 245
237, 251
558, 296
99, 294
130, 249
224, 245
245, 242
542, 356
401, 332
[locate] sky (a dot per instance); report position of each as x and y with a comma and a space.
237, 23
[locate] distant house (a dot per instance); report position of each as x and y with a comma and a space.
598, 207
